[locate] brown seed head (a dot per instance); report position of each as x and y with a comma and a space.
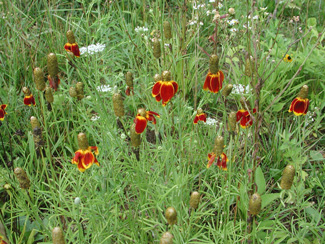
303, 92
80, 90
195, 199
22, 178
156, 48
232, 121
199, 111
26, 91
255, 203
39, 79
167, 30
166, 75
218, 146
171, 215
214, 64
118, 104
135, 138
167, 238
57, 236
227, 90
249, 67
70, 36
34, 122
73, 91
82, 141
287, 177
157, 77
142, 112
52, 65
129, 79
49, 95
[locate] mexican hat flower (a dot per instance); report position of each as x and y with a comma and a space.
29, 100
164, 89
2, 111
215, 77
300, 104
84, 157
200, 116
218, 153
142, 119
244, 116
71, 45
1, 240
287, 59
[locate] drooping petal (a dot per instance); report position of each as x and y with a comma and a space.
2, 114
140, 124
81, 167
203, 117
224, 161
95, 149
29, 100
4, 106
239, 114
153, 113
206, 85
87, 159
158, 98
292, 104
175, 85
196, 119
307, 106
211, 157
216, 82
75, 49
156, 89
150, 117
96, 162
68, 47
167, 91
129, 91
54, 82
77, 157
246, 121
300, 106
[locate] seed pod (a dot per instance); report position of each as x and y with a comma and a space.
157, 77
167, 30
195, 199
57, 236
82, 141
303, 92
156, 48
73, 92
22, 178
166, 75
39, 79
135, 138
70, 36
26, 91
80, 90
129, 79
142, 112
232, 121
244, 103
255, 203
167, 238
227, 90
52, 65
218, 146
34, 122
287, 177
214, 64
171, 215
118, 104
49, 95
249, 67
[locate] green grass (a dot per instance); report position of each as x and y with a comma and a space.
124, 200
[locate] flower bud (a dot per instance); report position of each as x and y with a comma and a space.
57, 236
77, 201
39, 79
167, 30
80, 90
118, 104
232, 121
244, 103
157, 77
73, 92
199, 111
52, 65
287, 177
231, 11
129, 79
166, 75
26, 91
167, 238
49, 95
255, 203
135, 138
22, 178
218, 146
156, 48
195, 199
70, 36
227, 90
249, 67
34, 122
303, 92
82, 141
142, 112
171, 215
214, 64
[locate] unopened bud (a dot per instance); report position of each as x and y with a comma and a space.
167, 238
118, 104
49, 95
156, 48
255, 203
214, 64
218, 146
287, 177
39, 79
244, 103
57, 236
82, 141
157, 77
70, 36
129, 79
26, 91
231, 11
195, 199
167, 30
22, 178
249, 67
34, 122
166, 75
303, 92
52, 65
227, 90
171, 215
135, 137
73, 92
80, 90
232, 121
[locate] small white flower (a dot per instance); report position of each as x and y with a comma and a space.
77, 200
123, 136
94, 118
201, 23
193, 22
93, 48
240, 89
266, 13
104, 88
220, 5
255, 17
211, 121
208, 12
212, 1
233, 30
232, 22
263, 9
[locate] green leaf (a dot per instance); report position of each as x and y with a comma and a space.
278, 107
269, 198
314, 214
311, 22
316, 156
260, 181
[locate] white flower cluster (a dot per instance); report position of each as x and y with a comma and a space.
104, 88
140, 29
94, 118
211, 121
240, 89
233, 22
93, 48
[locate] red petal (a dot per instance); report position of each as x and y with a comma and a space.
2, 114
224, 161
203, 117
239, 114
156, 89
196, 119
67, 47
88, 159
211, 157
215, 83
150, 117
54, 84
127, 91
153, 113
167, 91
158, 98
77, 156
140, 124
3, 106
246, 121
206, 85
300, 106
95, 149
96, 162
75, 49
292, 104
81, 167
175, 85
306, 110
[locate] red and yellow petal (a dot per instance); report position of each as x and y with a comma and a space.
140, 124
81, 167
153, 113
3, 106
299, 106
206, 85
87, 159
222, 161
96, 162
158, 98
203, 117
75, 49
211, 157
196, 119
215, 83
95, 149
68, 47
167, 91
156, 89
29, 100
239, 114
246, 121
175, 85
77, 157
2, 114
